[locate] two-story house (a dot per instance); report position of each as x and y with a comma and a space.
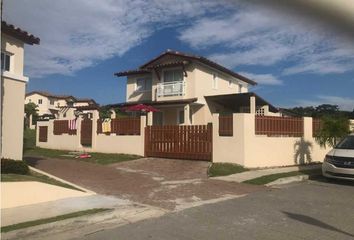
13, 85
57, 105
187, 89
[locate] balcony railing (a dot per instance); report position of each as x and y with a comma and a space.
171, 89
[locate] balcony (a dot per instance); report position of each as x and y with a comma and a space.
171, 89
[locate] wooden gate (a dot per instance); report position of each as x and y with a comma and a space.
86, 132
182, 142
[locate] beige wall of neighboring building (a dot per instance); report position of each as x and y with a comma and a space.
254, 151
14, 84
13, 118
100, 142
43, 103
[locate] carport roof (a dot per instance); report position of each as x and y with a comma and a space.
234, 101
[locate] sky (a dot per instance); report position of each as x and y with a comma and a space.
296, 61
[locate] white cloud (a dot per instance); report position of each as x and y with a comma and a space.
77, 34
260, 37
344, 103
264, 79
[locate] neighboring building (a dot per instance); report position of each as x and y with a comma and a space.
13, 88
57, 106
187, 89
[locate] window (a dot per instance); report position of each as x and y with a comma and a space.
5, 61
51, 101
40, 101
240, 88
180, 116
215, 81
175, 75
230, 82
143, 84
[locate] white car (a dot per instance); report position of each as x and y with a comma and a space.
339, 162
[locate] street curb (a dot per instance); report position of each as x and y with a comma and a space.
61, 180
287, 180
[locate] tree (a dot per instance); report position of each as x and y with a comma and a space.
333, 129
31, 109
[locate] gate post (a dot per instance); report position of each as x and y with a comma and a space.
95, 117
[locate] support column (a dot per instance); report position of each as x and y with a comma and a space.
187, 120
307, 128
149, 118
253, 104
95, 117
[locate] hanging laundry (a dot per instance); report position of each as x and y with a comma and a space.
106, 125
72, 124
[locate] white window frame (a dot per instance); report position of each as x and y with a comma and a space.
40, 101
11, 65
240, 87
179, 110
145, 79
171, 69
215, 81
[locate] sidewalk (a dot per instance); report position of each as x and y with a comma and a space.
244, 176
42, 210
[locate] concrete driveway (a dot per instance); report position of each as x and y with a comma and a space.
163, 183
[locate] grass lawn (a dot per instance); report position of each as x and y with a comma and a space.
270, 178
34, 176
52, 219
29, 139
223, 169
99, 158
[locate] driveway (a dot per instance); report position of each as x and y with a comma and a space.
164, 183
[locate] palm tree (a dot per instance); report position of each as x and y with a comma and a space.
332, 130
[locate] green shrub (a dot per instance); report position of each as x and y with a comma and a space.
12, 166
224, 169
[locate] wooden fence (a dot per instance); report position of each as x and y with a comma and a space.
183, 142
122, 126
61, 127
43, 134
279, 126
225, 125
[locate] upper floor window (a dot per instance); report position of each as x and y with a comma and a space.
240, 88
143, 84
5, 61
40, 101
51, 101
175, 75
215, 81
230, 82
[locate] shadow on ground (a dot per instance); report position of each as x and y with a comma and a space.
313, 221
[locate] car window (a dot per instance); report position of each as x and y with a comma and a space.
346, 143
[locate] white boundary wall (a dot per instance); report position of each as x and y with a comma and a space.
253, 151
128, 144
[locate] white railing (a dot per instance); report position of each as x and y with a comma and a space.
171, 89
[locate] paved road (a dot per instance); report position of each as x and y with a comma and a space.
307, 210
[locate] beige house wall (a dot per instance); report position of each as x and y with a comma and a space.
14, 47
100, 142
42, 108
199, 83
254, 151
13, 118
14, 84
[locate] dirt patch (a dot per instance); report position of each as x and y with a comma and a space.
163, 183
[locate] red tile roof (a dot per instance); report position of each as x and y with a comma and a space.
18, 33
147, 66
